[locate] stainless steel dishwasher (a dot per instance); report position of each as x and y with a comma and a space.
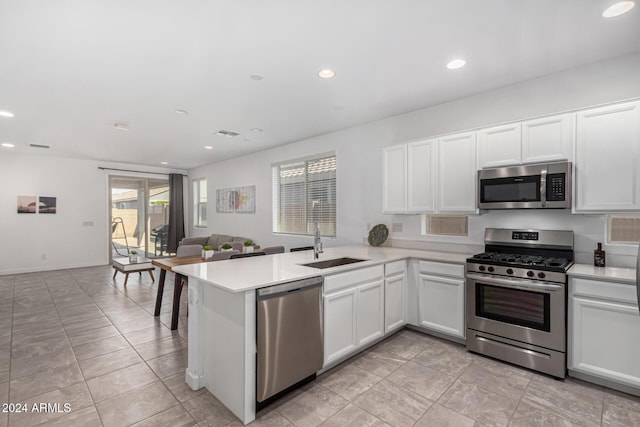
289, 335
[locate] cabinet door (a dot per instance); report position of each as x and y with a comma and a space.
605, 340
370, 309
548, 138
441, 304
339, 324
394, 185
421, 161
395, 297
608, 159
457, 173
500, 146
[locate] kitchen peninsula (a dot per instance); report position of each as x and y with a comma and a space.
222, 311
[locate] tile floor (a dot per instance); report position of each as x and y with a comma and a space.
77, 337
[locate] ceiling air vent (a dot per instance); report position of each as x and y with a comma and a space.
227, 133
39, 146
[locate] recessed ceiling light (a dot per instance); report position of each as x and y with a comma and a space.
182, 112
164, 163
256, 130
256, 76
6, 114
618, 9
326, 74
121, 126
208, 147
456, 63
8, 145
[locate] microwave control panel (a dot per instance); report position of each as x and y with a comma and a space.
555, 187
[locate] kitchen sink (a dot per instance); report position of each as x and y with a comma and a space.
333, 262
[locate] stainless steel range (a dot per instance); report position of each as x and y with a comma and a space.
517, 298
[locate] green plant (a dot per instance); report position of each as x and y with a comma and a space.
248, 243
134, 252
207, 248
226, 246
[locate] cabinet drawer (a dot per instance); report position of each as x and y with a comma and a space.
604, 290
395, 267
353, 277
442, 269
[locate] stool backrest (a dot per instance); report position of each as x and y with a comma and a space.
273, 250
247, 255
222, 255
188, 250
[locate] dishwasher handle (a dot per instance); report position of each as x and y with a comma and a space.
288, 288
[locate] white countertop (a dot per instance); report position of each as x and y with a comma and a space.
243, 274
612, 274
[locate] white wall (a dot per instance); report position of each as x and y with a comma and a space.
82, 197
359, 157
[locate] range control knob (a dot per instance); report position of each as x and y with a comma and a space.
490, 269
509, 271
481, 268
542, 275
530, 273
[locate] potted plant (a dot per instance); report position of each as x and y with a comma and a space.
248, 247
226, 247
133, 256
207, 251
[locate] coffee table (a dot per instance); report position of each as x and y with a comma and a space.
125, 266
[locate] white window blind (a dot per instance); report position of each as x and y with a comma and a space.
200, 203
304, 192
447, 225
623, 229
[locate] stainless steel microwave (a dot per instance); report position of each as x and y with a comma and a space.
536, 186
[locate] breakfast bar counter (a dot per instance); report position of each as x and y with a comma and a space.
222, 312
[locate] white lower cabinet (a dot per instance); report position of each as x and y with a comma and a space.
441, 298
395, 296
353, 311
339, 324
369, 312
604, 331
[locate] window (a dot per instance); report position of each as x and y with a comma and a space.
200, 203
304, 192
447, 225
623, 229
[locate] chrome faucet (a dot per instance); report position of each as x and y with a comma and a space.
317, 244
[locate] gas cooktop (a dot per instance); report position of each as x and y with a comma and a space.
523, 260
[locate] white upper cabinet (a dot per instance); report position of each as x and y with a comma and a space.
421, 176
532, 141
394, 197
500, 146
457, 173
548, 138
440, 175
608, 159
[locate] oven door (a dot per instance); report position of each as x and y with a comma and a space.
528, 311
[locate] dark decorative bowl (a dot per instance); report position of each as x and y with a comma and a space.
378, 235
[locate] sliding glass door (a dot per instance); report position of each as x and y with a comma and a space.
139, 216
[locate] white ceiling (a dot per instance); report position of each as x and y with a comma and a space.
70, 69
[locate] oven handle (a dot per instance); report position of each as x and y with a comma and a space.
516, 283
